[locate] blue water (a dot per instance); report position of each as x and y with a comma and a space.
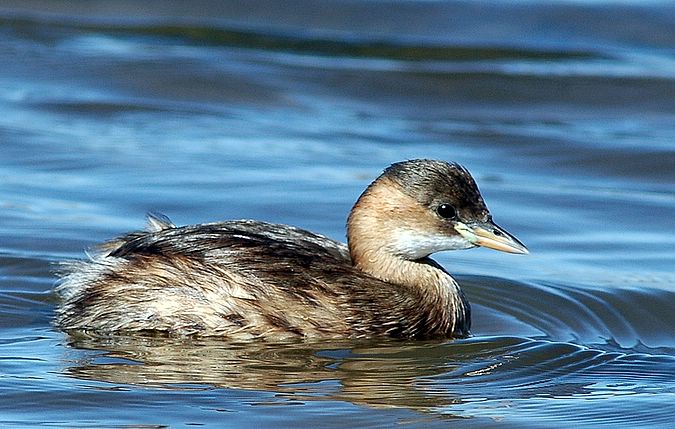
285, 111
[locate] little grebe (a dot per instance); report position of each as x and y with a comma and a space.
248, 279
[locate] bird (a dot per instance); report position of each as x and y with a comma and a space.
248, 279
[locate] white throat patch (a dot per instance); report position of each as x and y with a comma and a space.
415, 245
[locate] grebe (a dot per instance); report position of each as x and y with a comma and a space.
248, 279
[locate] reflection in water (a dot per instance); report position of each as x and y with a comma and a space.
372, 373
428, 377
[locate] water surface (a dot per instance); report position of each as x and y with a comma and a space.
284, 111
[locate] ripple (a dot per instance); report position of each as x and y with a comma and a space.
329, 43
519, 373
613, 318
509, 378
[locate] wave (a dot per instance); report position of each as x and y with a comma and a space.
321, 43
611, 319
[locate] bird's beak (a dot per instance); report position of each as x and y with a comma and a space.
487, 234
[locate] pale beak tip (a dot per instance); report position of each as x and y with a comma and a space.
523, 251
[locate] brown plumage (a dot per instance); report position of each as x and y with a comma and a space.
250, 279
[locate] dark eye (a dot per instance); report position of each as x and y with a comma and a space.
446, 211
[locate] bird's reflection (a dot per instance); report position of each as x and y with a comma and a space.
424, 376
381, 374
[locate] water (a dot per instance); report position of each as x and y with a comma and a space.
284, 111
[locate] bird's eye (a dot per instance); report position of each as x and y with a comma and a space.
446, 211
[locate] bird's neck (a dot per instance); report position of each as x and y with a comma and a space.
437, 297
435, 292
